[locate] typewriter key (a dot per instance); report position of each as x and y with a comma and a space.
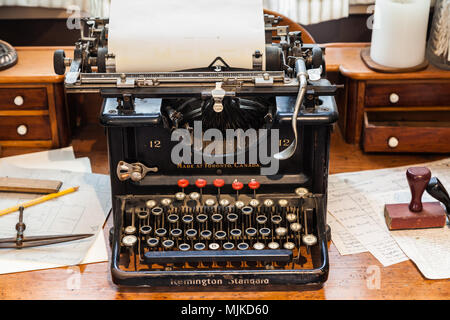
168, 244
142, 213
206, 234
232, 217
291, 217
265, 232
157, 211
180, 196
220, 235
160, 232
268, 203
276, 219
216, 217
281, 231
309, 239
199, 246
254, 203
237, 185
289, 245
150, 204
172, 218
301, 192
213, 246
184, 247
224, 202
295, 227
176, 233
273, 245
191, 233
166, 202
187, 219
261, 219
201, 218
129, 241
242, 246
258, 246
145, 230
210, 202
236, 233
228, 246
194, 196
251, 232
152, 242
247, 210
130, 230
283, 203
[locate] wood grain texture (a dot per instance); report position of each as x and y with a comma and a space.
38, 128
33, 98
348, 279
11, 184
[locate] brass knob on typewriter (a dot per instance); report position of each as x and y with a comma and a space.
151, 204
301, 192
166, 202
291, 217
295, 227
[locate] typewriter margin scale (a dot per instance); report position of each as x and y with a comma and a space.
132, 104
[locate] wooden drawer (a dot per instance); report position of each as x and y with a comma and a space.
419, 94
23, 98
407, 131
25, 128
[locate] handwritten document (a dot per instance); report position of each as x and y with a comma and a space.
357, 200
344, 241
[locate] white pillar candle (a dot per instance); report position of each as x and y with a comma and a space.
399, 32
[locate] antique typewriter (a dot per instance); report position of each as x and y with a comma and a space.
220, 225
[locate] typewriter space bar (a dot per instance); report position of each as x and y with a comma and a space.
217, 256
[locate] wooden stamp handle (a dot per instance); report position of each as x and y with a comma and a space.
418, 178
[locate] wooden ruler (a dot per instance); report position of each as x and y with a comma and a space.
29, 185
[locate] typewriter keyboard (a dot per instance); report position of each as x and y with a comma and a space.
195, 230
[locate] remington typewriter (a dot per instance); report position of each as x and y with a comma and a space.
218, 223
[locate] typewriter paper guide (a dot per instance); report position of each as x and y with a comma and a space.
173, 35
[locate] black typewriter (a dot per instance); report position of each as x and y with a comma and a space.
217, 224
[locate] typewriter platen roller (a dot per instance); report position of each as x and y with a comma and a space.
217, 224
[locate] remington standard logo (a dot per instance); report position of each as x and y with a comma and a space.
218, 282
238, 147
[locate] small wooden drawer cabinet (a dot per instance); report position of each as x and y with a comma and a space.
388, 112
33, 110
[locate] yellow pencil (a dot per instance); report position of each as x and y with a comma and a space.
39, 200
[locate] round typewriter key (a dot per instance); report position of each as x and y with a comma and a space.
220, 235
194, 196
247, 210
210, 202
281, 231
291, 217
254, 203
202, 218
283, 203
213, 246
264, 232
268, 203
142, 213
289, 245
228, 246
251, 232
261, 219
206, 234
301, 192
168, 244
309, 239
176, 233
166, 202
258, 246
145, 230
276, 219
157, 211
273, 245
236, 233
239, 204
129, 240
224, 202
232, 217
151, 204
295, 227
242, 246
199, 246
130, 230
152, 242
180, 196
184, 247
172, 218
160, 232
187, 219
216, 217
191, 233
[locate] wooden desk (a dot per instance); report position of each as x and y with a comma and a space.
348, 274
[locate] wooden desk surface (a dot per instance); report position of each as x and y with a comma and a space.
348, 274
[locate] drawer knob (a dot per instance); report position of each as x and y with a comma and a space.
22, 130
18, 101
393, 142
394, 98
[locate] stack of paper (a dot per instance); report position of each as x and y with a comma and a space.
356, 216
83, 211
